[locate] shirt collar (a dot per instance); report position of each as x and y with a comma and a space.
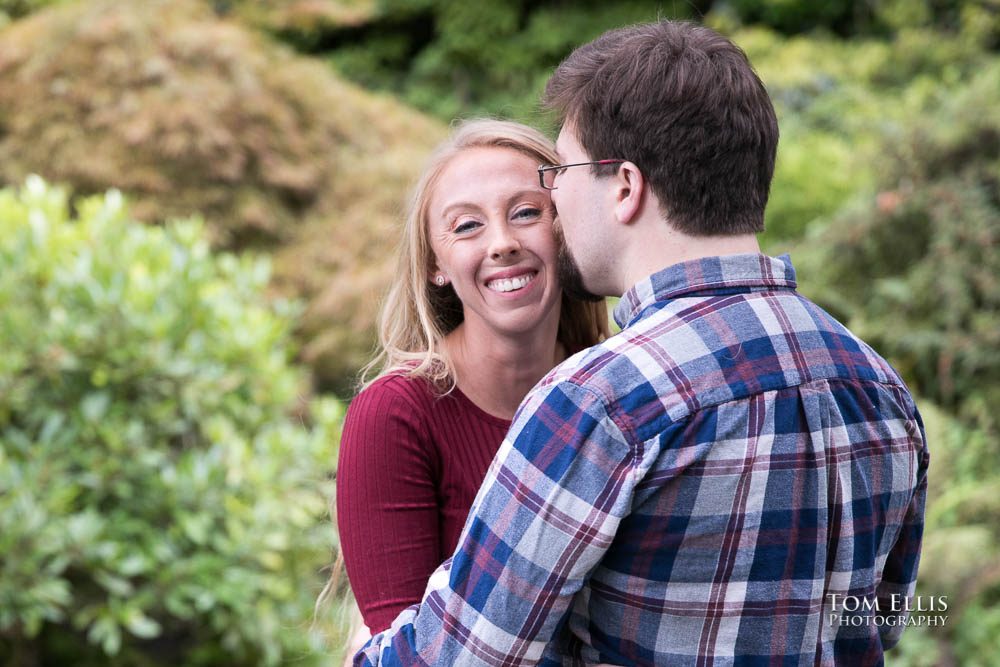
708, 273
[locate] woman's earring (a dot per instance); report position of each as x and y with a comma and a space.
439, 280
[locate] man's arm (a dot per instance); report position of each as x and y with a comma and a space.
899, 575
546, 513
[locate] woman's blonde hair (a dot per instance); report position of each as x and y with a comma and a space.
416, 315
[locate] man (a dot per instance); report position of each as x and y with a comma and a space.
712, 484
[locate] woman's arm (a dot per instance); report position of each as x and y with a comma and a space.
387, 503
546, 514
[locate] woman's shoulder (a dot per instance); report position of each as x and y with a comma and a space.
397, 388
394, 410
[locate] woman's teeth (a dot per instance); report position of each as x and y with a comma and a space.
510, 284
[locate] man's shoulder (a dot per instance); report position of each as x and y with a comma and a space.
695, 352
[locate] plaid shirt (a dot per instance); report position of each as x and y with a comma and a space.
692, 491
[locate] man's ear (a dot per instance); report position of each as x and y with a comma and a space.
629, 193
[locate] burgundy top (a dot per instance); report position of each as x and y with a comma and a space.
411, 463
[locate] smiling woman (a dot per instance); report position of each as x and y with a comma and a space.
474, 319
490, 229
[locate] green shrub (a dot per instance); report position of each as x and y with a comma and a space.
840, 104
915, 269
15, 9
795, 16
961, 548
455, 58
977, 19
163, 483
191, 113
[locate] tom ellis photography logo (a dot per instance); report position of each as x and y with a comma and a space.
894, 610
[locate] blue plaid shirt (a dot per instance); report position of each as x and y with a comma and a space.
693, 491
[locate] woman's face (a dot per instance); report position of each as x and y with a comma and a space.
490, 227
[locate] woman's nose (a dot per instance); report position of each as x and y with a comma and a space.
503, 243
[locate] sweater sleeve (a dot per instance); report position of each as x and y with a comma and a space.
387, 506
545, 516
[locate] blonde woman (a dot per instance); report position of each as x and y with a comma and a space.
475, 317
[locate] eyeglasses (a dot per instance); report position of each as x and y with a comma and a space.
547, 172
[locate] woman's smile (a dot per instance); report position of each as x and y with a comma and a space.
512, 283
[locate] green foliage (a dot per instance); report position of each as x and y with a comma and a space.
162, 484
189, 113
915, 269
839, 103
15, 9
205, 124
834, 97
830, 114
299, 15
913, 266
794, 16
961, 554
978, 18
815, 173
455, 58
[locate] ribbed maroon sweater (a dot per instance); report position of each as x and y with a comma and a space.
410, 465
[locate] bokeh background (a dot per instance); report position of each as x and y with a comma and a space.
199, 209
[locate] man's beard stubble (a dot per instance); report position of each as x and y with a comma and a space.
570, 278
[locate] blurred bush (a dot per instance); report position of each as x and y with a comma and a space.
851, 18
915, 267
912, 264
834, 97
15, 9
163, 483
185, 114
961, 553
455, 58
829, 116
303, 21
795, 16
300, 16
840, 102
189, 113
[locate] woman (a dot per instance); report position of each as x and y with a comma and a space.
474, 319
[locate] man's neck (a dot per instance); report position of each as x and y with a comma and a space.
669, 247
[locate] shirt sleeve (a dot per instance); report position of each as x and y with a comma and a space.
545, 515
899, 575
387, 505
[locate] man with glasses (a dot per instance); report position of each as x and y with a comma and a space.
734, 478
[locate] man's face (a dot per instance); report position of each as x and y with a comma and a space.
576, 198
570, 278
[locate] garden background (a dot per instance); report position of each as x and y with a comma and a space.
199, 208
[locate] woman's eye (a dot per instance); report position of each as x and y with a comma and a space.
466, 226
528, 213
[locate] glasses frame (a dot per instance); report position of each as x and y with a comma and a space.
560, 168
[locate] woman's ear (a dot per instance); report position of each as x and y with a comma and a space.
433, 271
629, 193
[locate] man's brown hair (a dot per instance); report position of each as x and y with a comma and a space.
683, 103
